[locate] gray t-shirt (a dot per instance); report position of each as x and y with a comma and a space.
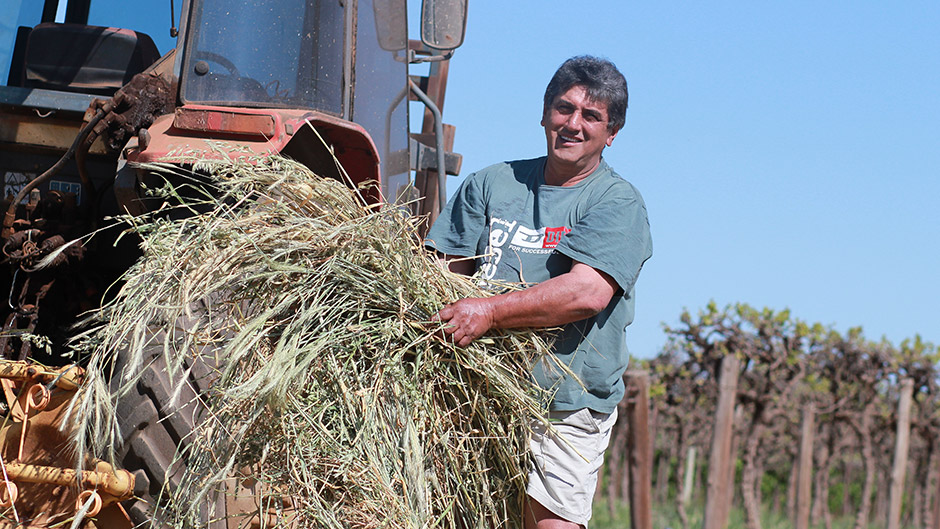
523, 230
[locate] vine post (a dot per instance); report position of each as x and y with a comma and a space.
900, 452
720, 481
638, 449
805, 473
688, 478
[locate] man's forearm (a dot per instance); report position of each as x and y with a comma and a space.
576, 295
560, 300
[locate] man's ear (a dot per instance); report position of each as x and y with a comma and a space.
545, 111
610, 138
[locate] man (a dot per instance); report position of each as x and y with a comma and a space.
577, 235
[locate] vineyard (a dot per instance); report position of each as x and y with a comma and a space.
757, 413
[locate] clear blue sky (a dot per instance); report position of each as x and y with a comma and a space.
788, 152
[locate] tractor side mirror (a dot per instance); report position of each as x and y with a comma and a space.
391, 24
443, 23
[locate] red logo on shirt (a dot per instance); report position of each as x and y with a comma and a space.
553, 236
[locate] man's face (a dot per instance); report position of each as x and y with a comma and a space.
576, 130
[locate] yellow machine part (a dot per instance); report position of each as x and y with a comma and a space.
37, 471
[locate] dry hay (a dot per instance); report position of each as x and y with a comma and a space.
332, 388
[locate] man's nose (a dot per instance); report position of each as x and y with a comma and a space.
573, 121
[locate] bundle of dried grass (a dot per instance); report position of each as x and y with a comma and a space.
331, 387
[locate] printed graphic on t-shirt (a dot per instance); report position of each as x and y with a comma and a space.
553, 236
521, 239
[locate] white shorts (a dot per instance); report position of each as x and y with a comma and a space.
565, 458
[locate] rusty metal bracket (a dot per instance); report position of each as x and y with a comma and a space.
424, 157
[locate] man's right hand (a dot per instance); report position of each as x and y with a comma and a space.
466, 320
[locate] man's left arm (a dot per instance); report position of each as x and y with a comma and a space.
575, 295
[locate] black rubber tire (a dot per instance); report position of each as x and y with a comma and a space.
154, 429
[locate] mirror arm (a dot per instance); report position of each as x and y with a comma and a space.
438, 139
414, 58
173, 31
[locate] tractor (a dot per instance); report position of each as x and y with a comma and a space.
86, 101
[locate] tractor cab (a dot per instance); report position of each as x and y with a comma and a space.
256, 74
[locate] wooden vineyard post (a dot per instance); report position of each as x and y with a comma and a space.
804, 484
638, 450
935, 522
617, 461
900, 453
720, 480
605, 469
689, 478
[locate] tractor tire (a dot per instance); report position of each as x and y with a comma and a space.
155, 428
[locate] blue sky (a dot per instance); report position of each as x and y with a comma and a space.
788, 152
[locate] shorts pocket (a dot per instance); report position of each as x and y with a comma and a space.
584, 420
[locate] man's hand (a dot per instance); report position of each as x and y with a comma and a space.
466, 319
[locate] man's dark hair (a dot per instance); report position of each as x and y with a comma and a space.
602, 80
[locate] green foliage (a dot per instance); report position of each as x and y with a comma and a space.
602, 518
774, 479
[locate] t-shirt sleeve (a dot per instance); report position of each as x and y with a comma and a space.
613, 236
458, 228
